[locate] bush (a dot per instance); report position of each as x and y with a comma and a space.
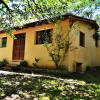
5, 62
35, 63
1, 64
23, 63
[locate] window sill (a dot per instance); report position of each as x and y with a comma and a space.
2, 47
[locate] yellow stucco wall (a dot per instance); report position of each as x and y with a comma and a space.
32, 50
6, 52
88, 55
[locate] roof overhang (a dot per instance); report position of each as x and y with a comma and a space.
45, 21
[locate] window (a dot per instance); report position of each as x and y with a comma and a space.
3, 42
96, 43
96, 38
43, 36
82, 39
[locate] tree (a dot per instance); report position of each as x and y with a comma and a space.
19, 12
61, 44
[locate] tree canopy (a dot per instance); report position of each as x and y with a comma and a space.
19, 12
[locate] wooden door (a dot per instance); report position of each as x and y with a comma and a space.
78, 67
19, 47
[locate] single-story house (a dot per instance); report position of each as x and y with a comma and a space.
30, 43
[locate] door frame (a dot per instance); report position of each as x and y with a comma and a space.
13, 44
78, 67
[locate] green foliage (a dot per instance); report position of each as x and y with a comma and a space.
50, 88
96, 36
36, 62
43, 9
3, 62
23, 63
54, 49
61, 44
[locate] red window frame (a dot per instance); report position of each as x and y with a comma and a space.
82, 39
38, 35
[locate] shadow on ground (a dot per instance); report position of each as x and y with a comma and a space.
28, 86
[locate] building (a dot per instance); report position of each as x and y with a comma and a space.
30, 39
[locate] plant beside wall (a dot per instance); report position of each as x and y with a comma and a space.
21, 67
23, 63
35, 63
62, 43
3, 62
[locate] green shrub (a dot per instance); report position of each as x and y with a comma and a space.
5, 62
35, 63
23, 63
1, 63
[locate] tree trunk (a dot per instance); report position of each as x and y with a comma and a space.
57, 66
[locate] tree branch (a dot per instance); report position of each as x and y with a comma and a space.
2, 2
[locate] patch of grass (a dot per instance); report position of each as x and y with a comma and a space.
92, 76
50, 88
